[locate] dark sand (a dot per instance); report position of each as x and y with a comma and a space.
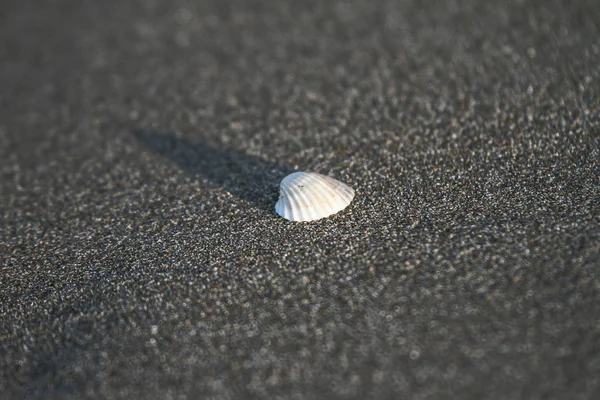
141, 143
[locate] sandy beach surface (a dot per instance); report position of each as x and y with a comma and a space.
141, 147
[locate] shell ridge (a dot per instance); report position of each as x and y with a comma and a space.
300, 189
340, 190
318, 194
325, 200
303, 190
324, 192
291, 202
349, 192
297, 201
305, 193
295, 209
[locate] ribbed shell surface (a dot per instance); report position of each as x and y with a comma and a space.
307, 196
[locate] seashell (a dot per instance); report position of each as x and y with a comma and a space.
307, 196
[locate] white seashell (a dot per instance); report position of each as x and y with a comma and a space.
307, 196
